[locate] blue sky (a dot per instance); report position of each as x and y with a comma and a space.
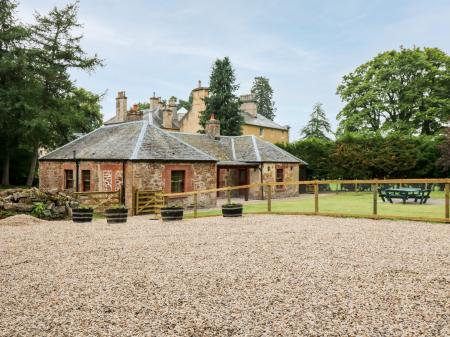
303, 47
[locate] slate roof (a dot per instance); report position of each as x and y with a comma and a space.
140, 140
238, 149
261, 121
129, 141
155, 117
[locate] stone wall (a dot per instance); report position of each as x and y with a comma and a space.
269, 134
255, 178
290, 173
190, 122
105, 176
156, 177
46, 205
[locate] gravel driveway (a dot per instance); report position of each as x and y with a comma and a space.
259, 275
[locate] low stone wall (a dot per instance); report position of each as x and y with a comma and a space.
47, 205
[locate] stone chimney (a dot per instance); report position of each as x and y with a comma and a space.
134, 114
155, 102
212, 127
121, 107
167, 118
248, 104
191, 121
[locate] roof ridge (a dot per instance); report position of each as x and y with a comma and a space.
140, 139
187, 144
233, 150
255, 146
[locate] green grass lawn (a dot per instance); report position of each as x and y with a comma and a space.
346, 203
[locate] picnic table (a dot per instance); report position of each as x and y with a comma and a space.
404, 193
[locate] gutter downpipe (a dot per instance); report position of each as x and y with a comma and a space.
123, 183
77, 166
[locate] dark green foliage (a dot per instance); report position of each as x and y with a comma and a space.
13, 82
406, 91
222, 100
143, 105
318, 125
444, 154
40, 105
316, 152
367, 156
263, 93
185, 104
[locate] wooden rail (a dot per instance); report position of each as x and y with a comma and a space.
147, 202
99, 201
374, 183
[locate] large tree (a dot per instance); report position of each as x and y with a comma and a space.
13, 83
444, 149
406, 90
222, 100
55, 50
186, 104
263, 93
318, 125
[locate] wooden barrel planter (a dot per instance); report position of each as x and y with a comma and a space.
82, 214
231, 210
172, 213
116, 215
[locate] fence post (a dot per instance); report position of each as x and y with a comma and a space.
269, 198
375, 196
134, 199
447, 201
195, 204
316, 197
229, 196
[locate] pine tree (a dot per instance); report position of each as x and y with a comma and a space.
13, 82
222, 100
318, 125
55, 48
263, 93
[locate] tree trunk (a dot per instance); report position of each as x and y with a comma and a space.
32, 170
5, 175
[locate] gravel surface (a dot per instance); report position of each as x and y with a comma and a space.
258, 275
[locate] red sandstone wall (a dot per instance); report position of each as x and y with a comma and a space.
105, 176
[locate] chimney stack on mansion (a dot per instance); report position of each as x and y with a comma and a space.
160, 149
168, 116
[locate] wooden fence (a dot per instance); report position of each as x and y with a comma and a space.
375, 184
99, 201
147, 202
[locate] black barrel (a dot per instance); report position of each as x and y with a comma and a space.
116, 215
232, 210
172, 213
82, 214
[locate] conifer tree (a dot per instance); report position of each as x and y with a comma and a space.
318, 125
263, 93
222, 100
55, 49
13, 77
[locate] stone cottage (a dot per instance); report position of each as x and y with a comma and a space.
169, 117
139, 155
